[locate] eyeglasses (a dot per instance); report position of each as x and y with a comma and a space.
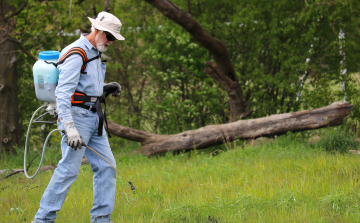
109, 36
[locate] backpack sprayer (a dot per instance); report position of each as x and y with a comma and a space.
46, 77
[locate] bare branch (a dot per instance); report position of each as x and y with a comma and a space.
246, 114
17, 11
213, 71
88, 11
60, 34
22, 48
19, 171
214, 45
233, 88
3, 40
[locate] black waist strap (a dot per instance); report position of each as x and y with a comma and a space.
93, 109
97, 108
102, 116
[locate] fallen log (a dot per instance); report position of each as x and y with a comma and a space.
211, 135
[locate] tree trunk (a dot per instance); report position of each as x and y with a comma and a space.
9, 110
211, 135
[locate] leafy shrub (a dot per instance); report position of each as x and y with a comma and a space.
340, 139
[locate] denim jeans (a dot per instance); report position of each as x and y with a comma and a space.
104, 180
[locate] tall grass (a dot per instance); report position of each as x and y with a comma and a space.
283, 181
338, 139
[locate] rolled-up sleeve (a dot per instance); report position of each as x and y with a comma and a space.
69, 75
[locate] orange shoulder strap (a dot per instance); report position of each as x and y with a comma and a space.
72, 51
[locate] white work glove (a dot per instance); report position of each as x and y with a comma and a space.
113, 87
72, 135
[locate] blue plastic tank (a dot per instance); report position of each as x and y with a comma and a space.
46, 76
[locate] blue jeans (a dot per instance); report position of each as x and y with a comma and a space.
104, 180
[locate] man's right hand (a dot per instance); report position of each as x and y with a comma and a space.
113, 87
72, 135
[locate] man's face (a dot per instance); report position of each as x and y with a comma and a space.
102, 43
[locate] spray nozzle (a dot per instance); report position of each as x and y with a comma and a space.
132, 187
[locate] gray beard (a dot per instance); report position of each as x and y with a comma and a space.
102, 48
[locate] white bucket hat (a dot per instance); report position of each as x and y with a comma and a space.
109, 23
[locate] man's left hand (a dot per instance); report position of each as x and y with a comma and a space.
113, 87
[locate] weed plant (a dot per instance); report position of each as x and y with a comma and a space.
338, 139
281, 181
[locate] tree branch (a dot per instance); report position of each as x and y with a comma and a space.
17, 11
213, 71
237, 106
27, 169
216, 48
22, 48
3, 40
214, 45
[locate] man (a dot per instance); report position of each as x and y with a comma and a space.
81, 122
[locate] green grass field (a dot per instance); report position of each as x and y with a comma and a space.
282, 181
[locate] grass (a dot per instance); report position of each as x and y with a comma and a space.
283, 181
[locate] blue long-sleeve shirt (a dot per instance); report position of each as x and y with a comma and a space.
71, 80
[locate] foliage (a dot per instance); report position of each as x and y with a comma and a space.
352, 96
271, 44
274, 43
161, 67
183, 96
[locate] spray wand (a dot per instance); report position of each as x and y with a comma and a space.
132, 186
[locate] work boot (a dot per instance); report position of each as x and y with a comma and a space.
101, 219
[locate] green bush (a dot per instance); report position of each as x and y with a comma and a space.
338, 139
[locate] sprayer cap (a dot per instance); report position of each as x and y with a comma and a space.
49, 55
